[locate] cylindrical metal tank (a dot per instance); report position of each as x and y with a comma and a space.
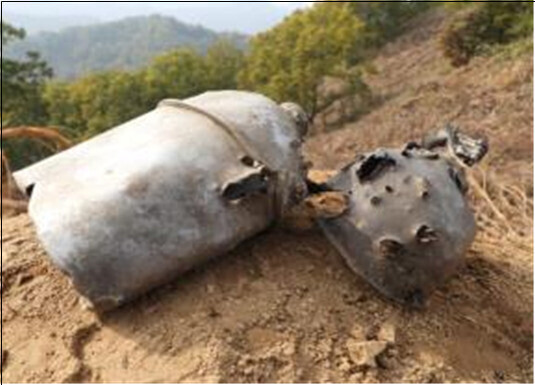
136, 206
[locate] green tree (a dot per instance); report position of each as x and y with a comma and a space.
383, 21
22, 82
176, 74
95, 103
483, 25
290, 61
223, 62
22, 104
98, 102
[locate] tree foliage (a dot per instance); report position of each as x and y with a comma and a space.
315, 57
22, 81
90, 105
329, 39
98, 102
384, 21
127, 44
290, 61
22, 84
484, 25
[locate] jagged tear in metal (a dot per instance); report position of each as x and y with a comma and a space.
408, 224
136, 206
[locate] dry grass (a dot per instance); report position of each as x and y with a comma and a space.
504, 212
13, 201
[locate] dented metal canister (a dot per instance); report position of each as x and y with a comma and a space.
407, 224
136, 206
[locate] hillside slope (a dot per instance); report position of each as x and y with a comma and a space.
126, 44
283, 307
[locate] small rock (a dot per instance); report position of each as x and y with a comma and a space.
288, 349
344, 365
356, 378
387, 333
329, 204
365, 353
358, 333
24, 278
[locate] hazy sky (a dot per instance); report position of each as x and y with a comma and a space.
243, 16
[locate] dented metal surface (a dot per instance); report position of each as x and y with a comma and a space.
136, 206
408, 224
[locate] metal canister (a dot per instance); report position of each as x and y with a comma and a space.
138, 205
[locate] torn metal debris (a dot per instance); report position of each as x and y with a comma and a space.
136, 206
408, 222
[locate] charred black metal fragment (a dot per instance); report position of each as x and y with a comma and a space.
413, 149
465, 148
409, 147
317, 188
373, 165
470, 151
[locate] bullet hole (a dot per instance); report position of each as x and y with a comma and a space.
375, 201
408, 148
389, 189
248, 161
249, 185
374, 165
390, 248
426, 234
29, 190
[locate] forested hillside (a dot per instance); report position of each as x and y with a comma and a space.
244, 17
122, 45
319, 57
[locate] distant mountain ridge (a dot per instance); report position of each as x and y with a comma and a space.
243, 16
46, 23
126, 44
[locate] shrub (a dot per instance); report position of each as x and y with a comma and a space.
483, 25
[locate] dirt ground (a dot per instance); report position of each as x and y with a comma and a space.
283, 307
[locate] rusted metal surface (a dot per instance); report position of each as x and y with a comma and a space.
136, 206
408, 224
